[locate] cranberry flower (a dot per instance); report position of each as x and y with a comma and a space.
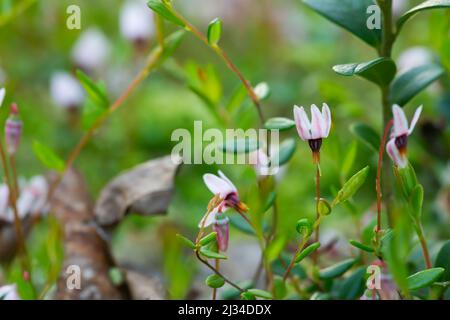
228, 194
315, 130
397, 146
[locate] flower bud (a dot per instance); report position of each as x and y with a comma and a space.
304, 227
13, 130
222, 228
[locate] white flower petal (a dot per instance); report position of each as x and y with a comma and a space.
208, 219
9, 292
66, 91
415, 119
302, 123
400, 121
395, 155
136, 21
224, 177
326, 114
217, 185
2, 95
318, 127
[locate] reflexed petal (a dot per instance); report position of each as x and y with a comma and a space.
302, 123
208, 219
395, 155
400, 121
326, 114
224, 177
317, 123
415, 119
217, 185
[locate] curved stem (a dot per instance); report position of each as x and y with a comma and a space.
423, 244
292, 263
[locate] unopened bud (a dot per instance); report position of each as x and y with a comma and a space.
304, 227
13, 130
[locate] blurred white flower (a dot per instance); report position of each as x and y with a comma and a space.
32, 200
2, 95
414, 57
9, 292
91, 50
66, 91
399, 7
136, 21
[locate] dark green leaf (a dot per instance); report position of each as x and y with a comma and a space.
279, 124
411, 82
48, 157
260, 293
279, 287
307, 251
367, 135
416, 201
443, 260
214, 281
164, 11
380, 71
286, 151
424, 278
214, 31
426, 5
336, 270
349, 14
361, 246
233, 293
351, 186
353, 286
242, 145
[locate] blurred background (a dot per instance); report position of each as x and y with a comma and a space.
280, 42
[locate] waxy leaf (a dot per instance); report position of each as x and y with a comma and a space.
351, 186
410, 83
426, 5
380, 71
161, 8
48, 157
211, 254
307, 251
242, 145
214, 31
367, 135
424, 278
350, 15
279, 123
286, 151
208, 238
260, 293
188, 243
361, 246
443, 260
214, 281
336, 270
353, 286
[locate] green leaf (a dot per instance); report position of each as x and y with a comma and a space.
336, 270
270, 200
353, 286
286, 151
208, 238
279, 287
214, 31
367, 135
426, 5
171, 43
443, 260
279, 123
411, 82
380, 71
351, 186
350, 15
307, 251
304, 227
186, 241
260, 293
211, 254
274, 249
407, 180
233, 293
48, 157
214, 281
247, 296
361, 246
324, 208
164, 11
349, 159
240, 145
416, 201
96, 92
424, 278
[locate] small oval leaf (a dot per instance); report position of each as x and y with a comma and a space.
286, 151
351, 186
424, 278
48, 157
307, 251
241, 145
336, 270
208, 238
164, 11
214, 31
380, 71
279, 123
361, 246
211, 254
188, 243
214, 281
261, 293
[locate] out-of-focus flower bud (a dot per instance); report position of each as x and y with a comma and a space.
91, 50
222, 227
9, 292
136, 22
13, 130
66, 91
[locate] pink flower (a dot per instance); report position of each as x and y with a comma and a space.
222, 227
396, 147
227, 192
13, 130
9, 292
315, 130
